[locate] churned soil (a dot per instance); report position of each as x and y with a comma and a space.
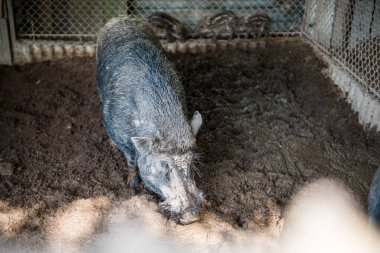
272, 122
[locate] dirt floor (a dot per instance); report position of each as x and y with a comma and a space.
272, 122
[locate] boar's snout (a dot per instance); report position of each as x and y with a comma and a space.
191, 213
189, 216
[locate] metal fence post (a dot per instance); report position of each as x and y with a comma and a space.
7, 35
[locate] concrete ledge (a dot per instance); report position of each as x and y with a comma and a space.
28, 51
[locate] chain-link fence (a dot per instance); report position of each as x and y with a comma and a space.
348, 31
82, 19
64, 19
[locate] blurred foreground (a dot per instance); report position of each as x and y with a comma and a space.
323, 217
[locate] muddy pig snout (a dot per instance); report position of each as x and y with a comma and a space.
188, 217
191, 213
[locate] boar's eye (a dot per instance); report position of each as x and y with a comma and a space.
165, 165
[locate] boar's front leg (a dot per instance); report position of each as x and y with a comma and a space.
133, 175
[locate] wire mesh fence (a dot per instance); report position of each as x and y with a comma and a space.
74, 19
66, 19
348, 31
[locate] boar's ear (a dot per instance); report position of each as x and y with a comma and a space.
144, 144
196, 123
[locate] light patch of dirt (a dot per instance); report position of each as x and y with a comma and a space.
211, 234
77, 221
12, 219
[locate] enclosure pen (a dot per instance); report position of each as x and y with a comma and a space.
346, 32
283, 97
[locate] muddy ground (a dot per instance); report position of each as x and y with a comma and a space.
272, 122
